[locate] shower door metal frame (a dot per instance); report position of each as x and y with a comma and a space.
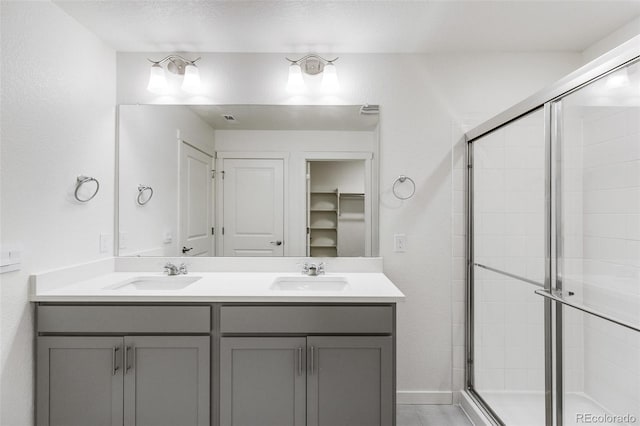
549, 99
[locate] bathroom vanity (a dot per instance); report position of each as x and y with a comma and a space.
228, 348
236, 341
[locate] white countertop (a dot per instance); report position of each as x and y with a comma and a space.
366, 287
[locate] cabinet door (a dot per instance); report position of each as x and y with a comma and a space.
166, 380
262, 381
79, 381
350, 381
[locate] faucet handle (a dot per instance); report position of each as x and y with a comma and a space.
321, 267
183, 269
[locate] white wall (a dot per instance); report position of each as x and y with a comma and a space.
425, 101
149, 152
57, 122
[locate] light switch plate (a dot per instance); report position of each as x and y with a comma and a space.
399, 243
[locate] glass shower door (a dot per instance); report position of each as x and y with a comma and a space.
509, 170
598, 249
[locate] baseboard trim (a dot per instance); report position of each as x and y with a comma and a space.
424, 397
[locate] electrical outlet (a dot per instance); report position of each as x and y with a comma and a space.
105, 243
399, 243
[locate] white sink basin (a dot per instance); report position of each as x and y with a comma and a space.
305, 283
156, 283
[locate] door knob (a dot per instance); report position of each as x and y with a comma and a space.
184, 249
275, 243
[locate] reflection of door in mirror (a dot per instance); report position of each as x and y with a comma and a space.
196, 236
253, 207
256, 202
336, 213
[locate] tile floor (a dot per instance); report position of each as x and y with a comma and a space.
431, 415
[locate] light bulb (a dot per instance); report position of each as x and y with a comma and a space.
330, 78
295, 83
191, 82
157, 80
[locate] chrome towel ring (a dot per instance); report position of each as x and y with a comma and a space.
140, 198
403, 179
81, 180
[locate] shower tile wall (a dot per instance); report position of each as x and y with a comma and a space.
509, 228
601, 212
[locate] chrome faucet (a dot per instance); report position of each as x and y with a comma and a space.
172, 269
312, 269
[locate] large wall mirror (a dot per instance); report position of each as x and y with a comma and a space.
247, 180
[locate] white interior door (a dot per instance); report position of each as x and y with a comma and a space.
253, 207
196, 207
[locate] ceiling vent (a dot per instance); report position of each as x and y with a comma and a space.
367, 109
229, 117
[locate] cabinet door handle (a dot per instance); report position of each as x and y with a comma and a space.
299, 361
312, 356
114, 360
127, 366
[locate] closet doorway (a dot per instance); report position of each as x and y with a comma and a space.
338, 213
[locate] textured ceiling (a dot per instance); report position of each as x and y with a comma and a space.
351, 26
290, 117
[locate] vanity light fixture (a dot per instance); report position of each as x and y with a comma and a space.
312, 64
176, 64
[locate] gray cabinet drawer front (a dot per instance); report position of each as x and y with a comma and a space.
306, 319
124, 319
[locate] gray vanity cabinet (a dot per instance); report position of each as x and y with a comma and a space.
166, 381
278, 364
262, 381
79, 381
313, 365
130, 381
313, 381
350, 381
124, 365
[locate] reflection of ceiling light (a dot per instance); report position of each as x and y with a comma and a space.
176, 65
618, 79
312, 64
